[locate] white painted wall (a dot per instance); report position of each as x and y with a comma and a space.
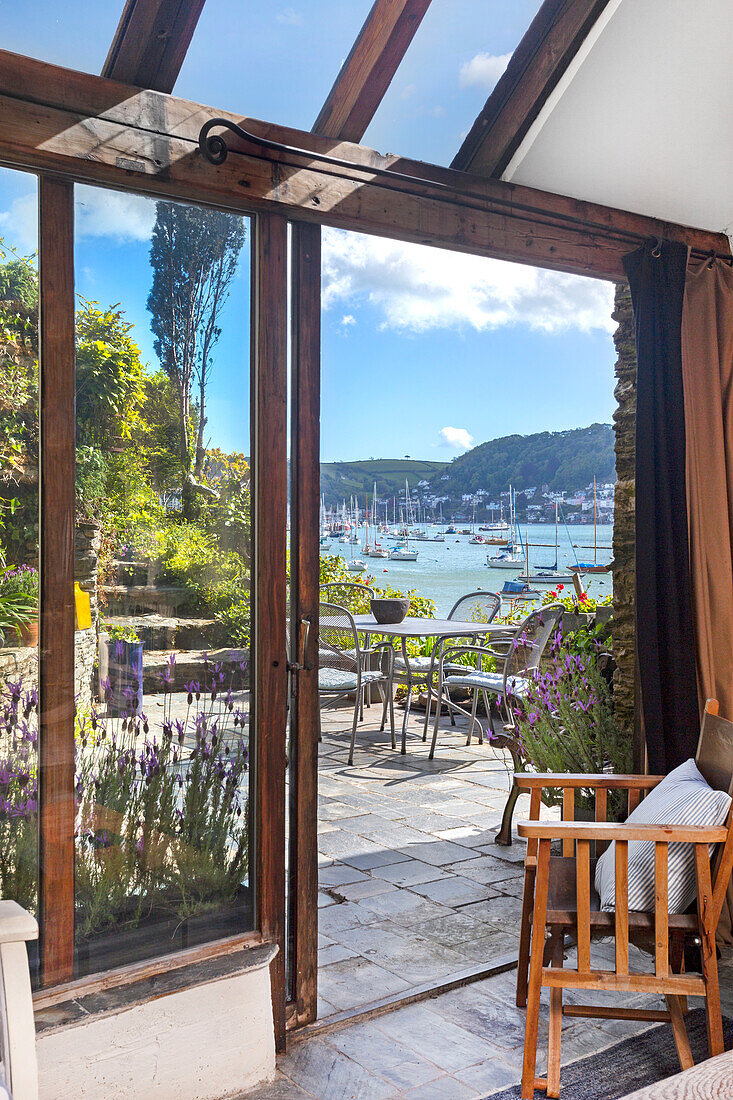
643, 120
207, 1042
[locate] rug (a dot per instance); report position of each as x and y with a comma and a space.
631, 1064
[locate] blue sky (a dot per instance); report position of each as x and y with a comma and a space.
424, 351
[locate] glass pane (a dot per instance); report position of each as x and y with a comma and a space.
19, 541
163, 571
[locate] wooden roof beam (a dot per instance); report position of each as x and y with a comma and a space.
535, 67
151, 42
99, 131
368, 70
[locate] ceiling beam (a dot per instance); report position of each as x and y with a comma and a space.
368, 70
151, 42
534, 69
99, 131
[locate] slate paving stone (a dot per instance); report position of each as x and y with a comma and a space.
488, 870
336, 918
329, 1074
387, 1057
370, 887
455, 891
338, 874
441, 852
358, 981
410, 872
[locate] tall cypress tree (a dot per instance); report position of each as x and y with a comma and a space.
193, 254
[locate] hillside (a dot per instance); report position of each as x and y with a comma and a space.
341, 480
563, 460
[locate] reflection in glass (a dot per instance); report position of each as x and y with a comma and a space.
163, 570
19, 443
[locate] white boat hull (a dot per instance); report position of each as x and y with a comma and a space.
403, 555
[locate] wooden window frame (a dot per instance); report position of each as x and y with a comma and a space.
268, 388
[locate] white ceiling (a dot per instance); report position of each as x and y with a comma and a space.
643, 119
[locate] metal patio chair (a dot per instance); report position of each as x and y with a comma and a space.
560, 899
475, 607
516, 659
355, 597
341, 670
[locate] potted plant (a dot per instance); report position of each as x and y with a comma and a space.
19, 605
121, 670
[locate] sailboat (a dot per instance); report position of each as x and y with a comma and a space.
546, 574
497, 533
377, 550
594, 566
509, 557
402, 551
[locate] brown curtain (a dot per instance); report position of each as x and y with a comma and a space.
707, 372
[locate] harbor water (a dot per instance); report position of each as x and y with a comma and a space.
446, 570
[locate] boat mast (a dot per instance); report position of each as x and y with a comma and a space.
595, 524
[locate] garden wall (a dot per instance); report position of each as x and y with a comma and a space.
624, 547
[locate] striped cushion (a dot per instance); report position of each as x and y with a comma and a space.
337, 679
489, 681
682, 798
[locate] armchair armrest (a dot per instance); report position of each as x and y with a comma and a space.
526, 781
609, 830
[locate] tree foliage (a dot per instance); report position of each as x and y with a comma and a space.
193, 254
562, 460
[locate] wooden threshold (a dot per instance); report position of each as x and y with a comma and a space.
134, 972
426, 992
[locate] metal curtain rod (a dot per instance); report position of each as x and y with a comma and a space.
215, 149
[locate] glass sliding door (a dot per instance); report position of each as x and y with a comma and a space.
163, 567
19, 577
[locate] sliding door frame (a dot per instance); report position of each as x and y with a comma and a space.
305, 404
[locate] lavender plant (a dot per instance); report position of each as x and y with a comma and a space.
162, 819
566, 723
19, 793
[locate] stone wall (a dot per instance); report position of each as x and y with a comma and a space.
624, 552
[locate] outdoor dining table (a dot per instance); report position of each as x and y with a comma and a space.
423, 627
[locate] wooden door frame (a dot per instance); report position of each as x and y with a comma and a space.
305, 398
269, 510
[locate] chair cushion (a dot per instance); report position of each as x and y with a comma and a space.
339, 679
682, 798
489, 681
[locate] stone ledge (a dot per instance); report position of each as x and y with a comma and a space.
117, 998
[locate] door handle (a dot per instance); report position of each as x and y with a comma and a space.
301, 664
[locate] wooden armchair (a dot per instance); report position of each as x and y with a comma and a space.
560, 899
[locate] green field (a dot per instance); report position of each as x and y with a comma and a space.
342, 480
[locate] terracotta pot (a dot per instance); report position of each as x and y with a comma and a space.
28, 633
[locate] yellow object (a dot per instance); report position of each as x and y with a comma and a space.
83, 608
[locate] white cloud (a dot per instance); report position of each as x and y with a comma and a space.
347, 320
484, 69
291, 17
408, 91
417, 289
126, 217
19, 224
458, 439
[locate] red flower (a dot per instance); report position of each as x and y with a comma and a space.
553, 595
560, 587
583, 597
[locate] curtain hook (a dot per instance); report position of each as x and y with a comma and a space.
657, 250
711, 259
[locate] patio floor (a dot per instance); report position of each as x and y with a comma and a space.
462, 1045
413, 888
